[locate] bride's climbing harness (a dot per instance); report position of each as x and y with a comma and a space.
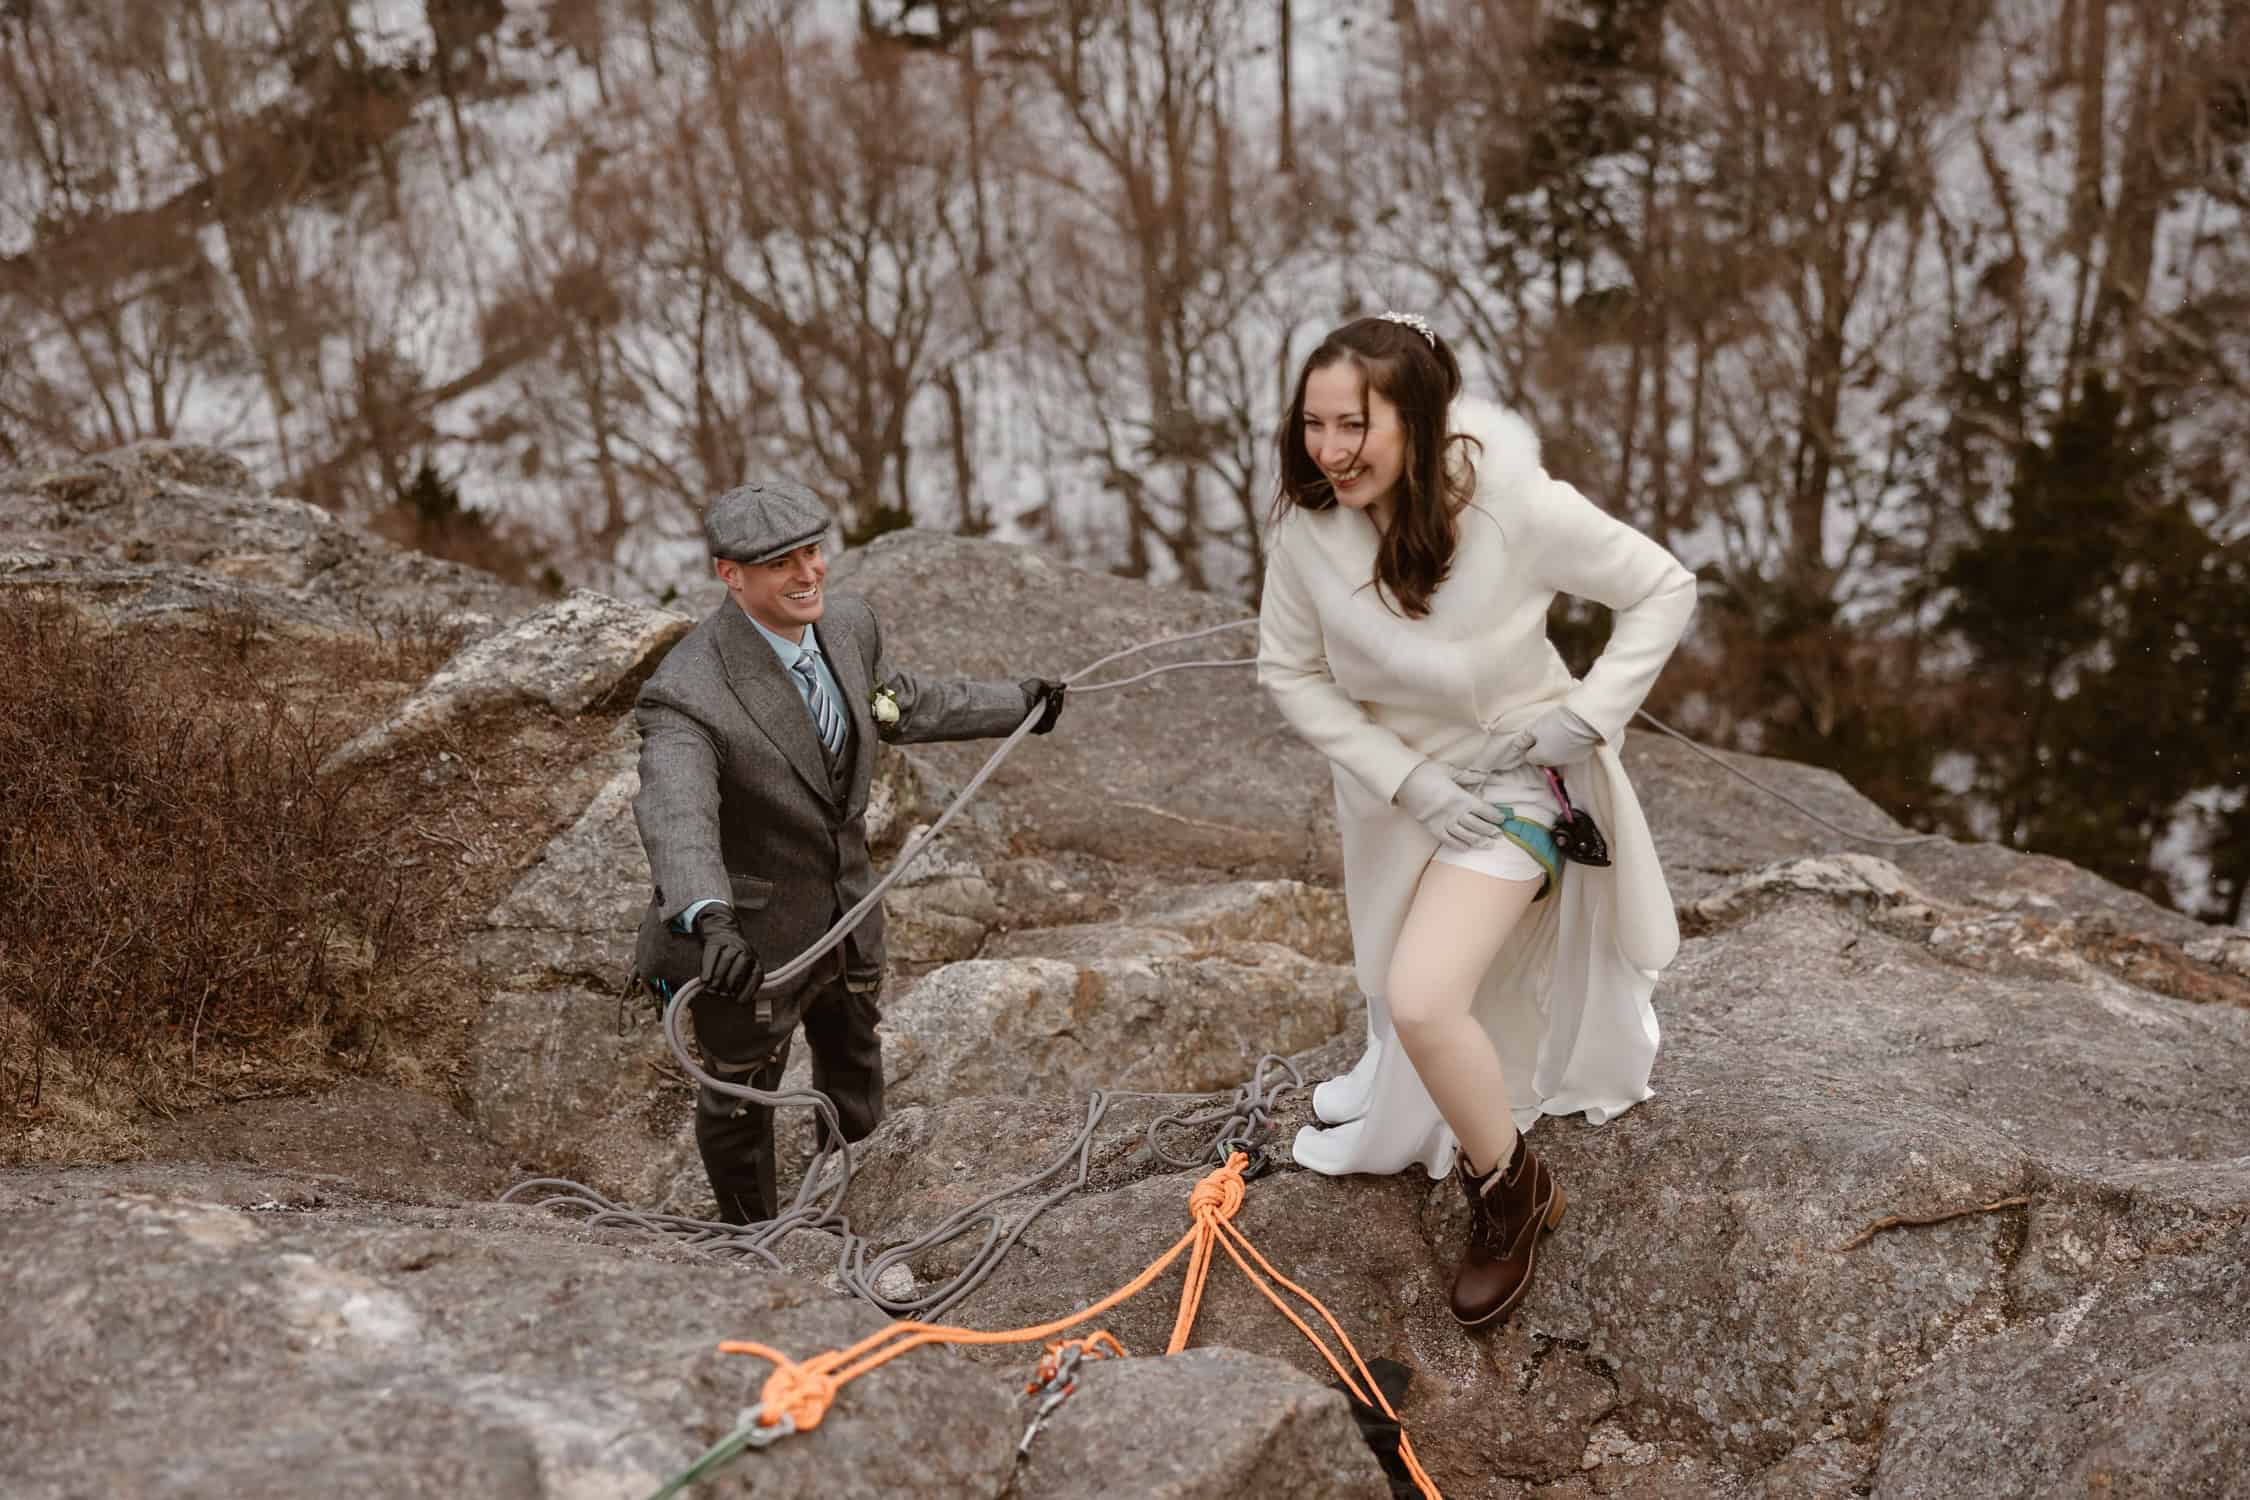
1577, 839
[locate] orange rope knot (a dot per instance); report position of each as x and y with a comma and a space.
1220, 1194
801, 1392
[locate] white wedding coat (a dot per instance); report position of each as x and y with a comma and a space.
1567, 1000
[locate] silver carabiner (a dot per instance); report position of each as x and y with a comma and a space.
756, 1435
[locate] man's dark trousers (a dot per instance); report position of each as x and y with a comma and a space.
736, 1137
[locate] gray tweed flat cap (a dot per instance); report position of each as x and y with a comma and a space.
763, 519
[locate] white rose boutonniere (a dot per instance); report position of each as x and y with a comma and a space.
884, 706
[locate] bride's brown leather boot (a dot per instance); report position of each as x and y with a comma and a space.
1510, 1207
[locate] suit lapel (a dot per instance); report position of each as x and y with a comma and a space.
763, 687
851, 679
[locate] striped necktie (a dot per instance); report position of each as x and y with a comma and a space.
828, 719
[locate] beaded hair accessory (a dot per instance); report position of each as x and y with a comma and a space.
1413, 321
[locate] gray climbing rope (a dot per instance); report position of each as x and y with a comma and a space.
913, 850
1788, 801
1239, 1122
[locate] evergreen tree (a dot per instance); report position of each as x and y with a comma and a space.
434, 501
2108, 630
2030, 595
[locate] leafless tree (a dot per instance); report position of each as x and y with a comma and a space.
108, 299
1155, 290
847, 232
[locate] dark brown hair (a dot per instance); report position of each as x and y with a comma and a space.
1420, 378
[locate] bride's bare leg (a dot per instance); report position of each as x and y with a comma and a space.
1453, 931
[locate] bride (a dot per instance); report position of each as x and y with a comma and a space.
1417, 546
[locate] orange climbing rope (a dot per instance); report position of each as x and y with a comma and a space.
799, 1392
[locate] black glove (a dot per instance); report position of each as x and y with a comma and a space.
1038, 690
730, 964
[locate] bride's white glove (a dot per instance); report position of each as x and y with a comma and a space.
1557, 737
1453, 817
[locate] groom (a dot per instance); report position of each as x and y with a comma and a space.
758, 737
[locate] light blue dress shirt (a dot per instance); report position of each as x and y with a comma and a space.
788, 651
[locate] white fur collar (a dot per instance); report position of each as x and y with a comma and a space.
1510, 456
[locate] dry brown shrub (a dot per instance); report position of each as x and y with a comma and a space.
190, 914
176, 884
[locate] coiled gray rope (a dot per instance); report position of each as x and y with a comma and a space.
859, 1268
1241, 1120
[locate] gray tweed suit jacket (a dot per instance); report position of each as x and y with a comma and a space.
736, 801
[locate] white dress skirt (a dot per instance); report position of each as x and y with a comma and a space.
1391, 1123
